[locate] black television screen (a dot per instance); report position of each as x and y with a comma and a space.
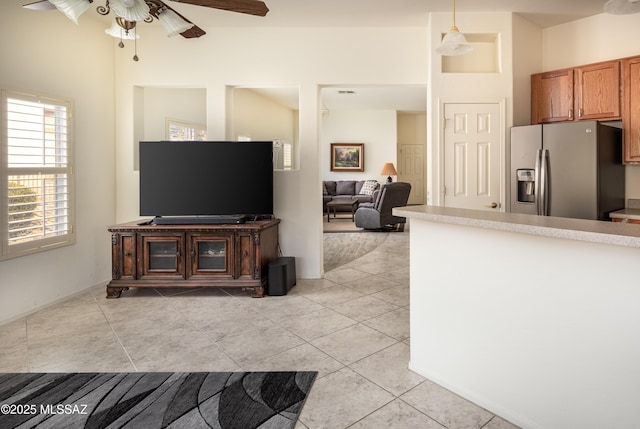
189, 178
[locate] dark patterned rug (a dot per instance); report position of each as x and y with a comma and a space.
242, 400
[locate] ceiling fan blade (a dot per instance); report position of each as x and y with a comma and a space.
191, 33
39, 5
251, 7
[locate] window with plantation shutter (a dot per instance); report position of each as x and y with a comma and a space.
287, 156
37, 167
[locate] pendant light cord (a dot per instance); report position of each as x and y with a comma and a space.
454, 13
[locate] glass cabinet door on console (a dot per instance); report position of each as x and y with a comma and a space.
210, 255
163, 255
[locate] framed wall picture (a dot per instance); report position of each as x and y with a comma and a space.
347, 156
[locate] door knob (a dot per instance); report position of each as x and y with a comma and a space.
492, 205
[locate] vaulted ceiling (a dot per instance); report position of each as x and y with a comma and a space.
296, 13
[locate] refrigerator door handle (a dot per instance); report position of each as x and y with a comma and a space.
538, 183
544, 185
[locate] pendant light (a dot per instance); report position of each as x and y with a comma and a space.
454, 43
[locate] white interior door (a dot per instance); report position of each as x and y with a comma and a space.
472, 154
411, 170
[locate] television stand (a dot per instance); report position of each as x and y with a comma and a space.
192, 256
200, 220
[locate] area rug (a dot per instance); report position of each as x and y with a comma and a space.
226, 400
340, 224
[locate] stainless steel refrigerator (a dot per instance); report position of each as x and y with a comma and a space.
569, 169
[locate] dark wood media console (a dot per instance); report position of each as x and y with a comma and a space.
162, 256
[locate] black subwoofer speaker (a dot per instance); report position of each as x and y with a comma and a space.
282, 276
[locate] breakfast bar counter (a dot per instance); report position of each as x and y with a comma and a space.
534, 318
545, 226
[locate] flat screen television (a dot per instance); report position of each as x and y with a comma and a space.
199, 182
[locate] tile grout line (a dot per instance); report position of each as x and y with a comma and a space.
124, 349
26, 339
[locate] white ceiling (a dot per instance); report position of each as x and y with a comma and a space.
350, 13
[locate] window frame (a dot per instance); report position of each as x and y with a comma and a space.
197, 131
36, 245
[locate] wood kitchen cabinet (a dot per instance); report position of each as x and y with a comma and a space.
597, 91
552, 96
631, 221
631, 110
581, 93
176, 256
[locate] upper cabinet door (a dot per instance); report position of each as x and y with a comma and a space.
597, 91
552, 96
631, 110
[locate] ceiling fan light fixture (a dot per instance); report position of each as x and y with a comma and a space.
72, 8
622, 7
131, 10
173, 23
119, 32
454, 43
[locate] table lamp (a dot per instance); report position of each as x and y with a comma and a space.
389, 170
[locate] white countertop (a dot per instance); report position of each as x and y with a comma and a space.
613, 233
626, 214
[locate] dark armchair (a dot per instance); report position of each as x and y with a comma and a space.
377, 215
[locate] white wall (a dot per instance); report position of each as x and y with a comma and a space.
182, 104
46, 52
377, 129
527, 60
307, 58
259, 118
590, 40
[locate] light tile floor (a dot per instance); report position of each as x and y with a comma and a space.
352, 326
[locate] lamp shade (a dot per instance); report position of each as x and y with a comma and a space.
173, 23
72, 8
454, 43
131, 10
389, 170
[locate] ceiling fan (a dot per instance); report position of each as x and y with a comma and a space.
157, 9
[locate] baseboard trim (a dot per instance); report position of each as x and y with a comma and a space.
52, 303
